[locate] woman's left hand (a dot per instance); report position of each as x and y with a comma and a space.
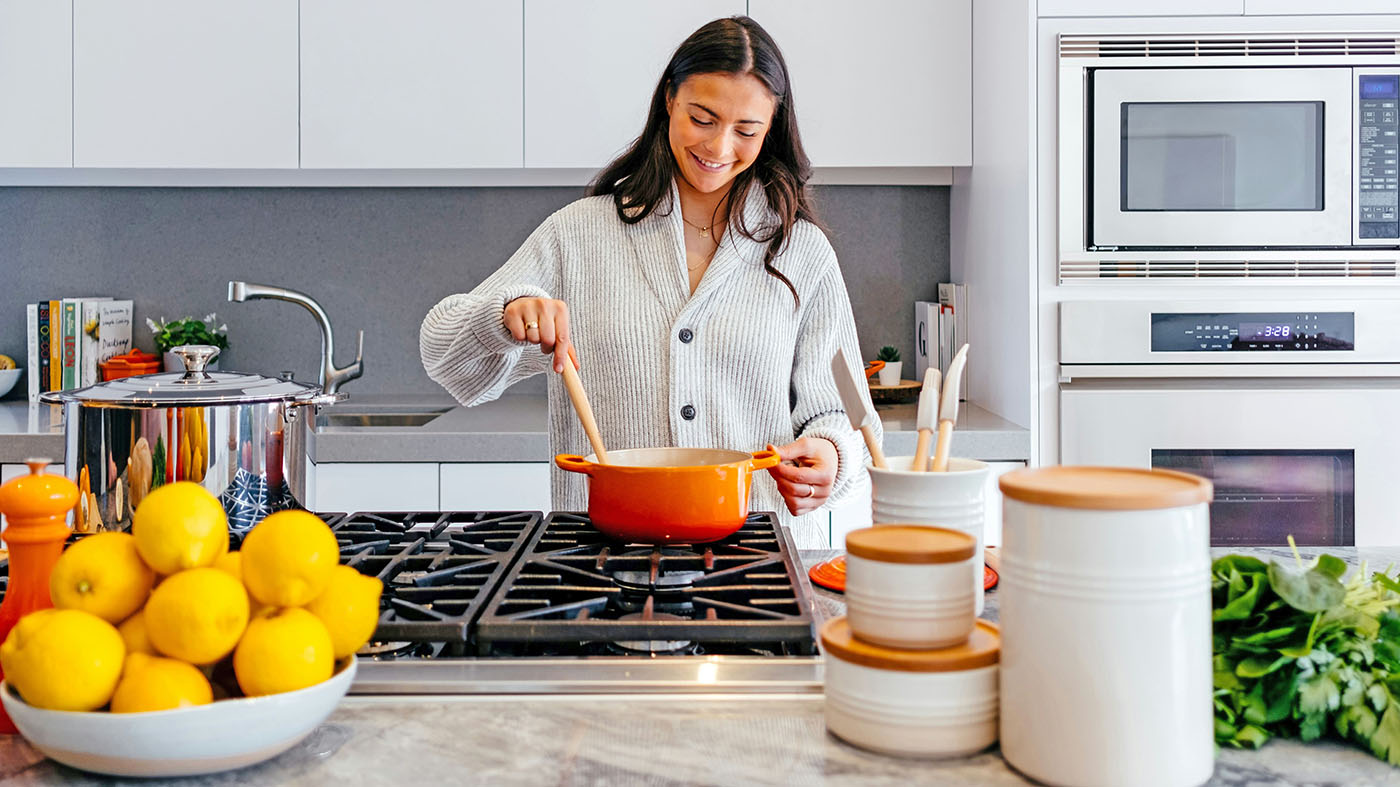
806, 473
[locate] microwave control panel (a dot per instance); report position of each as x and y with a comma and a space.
1378, 155
1211, 332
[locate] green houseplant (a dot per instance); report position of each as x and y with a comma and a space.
188, 330
890, 373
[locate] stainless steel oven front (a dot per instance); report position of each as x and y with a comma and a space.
1291, 407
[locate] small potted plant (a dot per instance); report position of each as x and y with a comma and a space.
890, 372
169, 335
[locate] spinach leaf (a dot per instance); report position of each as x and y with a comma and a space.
1313, 590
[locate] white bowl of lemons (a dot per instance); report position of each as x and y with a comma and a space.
197, 739
229, 659
8, 378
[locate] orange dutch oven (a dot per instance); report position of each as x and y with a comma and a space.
669, 495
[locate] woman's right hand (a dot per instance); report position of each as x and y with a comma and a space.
542, 321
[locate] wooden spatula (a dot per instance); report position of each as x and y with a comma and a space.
862, 417
927, 421
574, 386
948, 410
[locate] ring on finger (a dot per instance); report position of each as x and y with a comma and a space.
811, 490
532, 326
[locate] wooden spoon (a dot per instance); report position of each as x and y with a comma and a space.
574, 386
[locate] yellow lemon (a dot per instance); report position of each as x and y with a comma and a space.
288, 557
197, 615
155, 683
283, 650
350, 609
63, 659
133, 631
231, 563
180, 526
6, 362
102, 574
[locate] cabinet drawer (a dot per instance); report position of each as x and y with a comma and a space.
374, 486
495, 486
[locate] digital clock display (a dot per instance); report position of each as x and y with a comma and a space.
1263, 331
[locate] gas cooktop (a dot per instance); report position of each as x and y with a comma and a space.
520, 602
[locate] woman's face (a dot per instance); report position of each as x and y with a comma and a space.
718, 122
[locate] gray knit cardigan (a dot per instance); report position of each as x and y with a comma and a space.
736, 365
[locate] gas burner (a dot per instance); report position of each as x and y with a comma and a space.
388, 651
654, 576
655, 646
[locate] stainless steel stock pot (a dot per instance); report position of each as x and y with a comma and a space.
244, 437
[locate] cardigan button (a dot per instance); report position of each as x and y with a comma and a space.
687, 335
688, 413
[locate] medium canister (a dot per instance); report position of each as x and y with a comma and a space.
1106, 629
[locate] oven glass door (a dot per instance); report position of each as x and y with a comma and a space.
1314, 460
1253, 157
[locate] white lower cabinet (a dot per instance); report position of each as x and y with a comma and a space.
494, 486
854, 513
373, 486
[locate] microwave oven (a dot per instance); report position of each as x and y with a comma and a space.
1201, 148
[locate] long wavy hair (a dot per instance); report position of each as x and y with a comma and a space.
639, 180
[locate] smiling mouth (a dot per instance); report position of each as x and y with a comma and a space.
706, 165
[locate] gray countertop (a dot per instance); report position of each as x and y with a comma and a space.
510, 429
665, 740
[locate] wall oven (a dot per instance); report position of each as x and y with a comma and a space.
1290, 406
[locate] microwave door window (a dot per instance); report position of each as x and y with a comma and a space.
1221, 156
1264, 496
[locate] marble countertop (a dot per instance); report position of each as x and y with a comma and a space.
664, 740
510, 429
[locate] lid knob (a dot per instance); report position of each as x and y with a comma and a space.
196, 357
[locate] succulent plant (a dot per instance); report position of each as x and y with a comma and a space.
888, 354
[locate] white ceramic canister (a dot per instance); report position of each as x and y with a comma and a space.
907, 585
913, 703
1105, 612
955, 499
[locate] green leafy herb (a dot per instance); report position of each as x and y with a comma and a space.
173, 334
1299, 653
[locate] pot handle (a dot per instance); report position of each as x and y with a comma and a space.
762, 460
874, 367
574, 464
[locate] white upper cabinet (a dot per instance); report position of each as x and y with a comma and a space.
36, 83
185, 83
882, 83
1142, 7
1313, 7
411, 84
591, 67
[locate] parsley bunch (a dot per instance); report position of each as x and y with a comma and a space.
1299, 653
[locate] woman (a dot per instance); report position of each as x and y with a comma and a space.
703, 301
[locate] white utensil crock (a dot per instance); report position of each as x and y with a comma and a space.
1106, 626
955, 499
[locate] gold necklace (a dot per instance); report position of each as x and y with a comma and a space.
704, 231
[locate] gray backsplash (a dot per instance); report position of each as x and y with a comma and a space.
377, 260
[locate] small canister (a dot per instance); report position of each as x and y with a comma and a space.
913, 703
910, 586
1106, 615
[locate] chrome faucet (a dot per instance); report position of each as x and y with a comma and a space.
331, 377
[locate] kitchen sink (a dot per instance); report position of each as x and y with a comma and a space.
334, 417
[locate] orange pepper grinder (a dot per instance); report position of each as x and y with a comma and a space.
36, 507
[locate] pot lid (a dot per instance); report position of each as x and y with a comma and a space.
193, 387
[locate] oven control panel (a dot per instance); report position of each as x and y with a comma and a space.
1377, 176
1210, 332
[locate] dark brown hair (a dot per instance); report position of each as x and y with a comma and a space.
640, 179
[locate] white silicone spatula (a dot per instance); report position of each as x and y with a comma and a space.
927, 421
948, 410
861, 415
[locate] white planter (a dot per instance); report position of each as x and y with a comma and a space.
1106, 616
955, 499
890, 373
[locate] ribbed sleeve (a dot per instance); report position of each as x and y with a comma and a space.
737, 364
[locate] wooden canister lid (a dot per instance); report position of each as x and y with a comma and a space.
910, 544
1106, 488
982, 649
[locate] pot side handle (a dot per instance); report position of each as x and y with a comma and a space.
574, 464
762, 460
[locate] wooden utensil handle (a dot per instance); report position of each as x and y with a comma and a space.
921, 451
585, 413
877, 457
940, 453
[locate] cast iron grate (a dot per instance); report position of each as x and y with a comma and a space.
573, 584
438, 568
